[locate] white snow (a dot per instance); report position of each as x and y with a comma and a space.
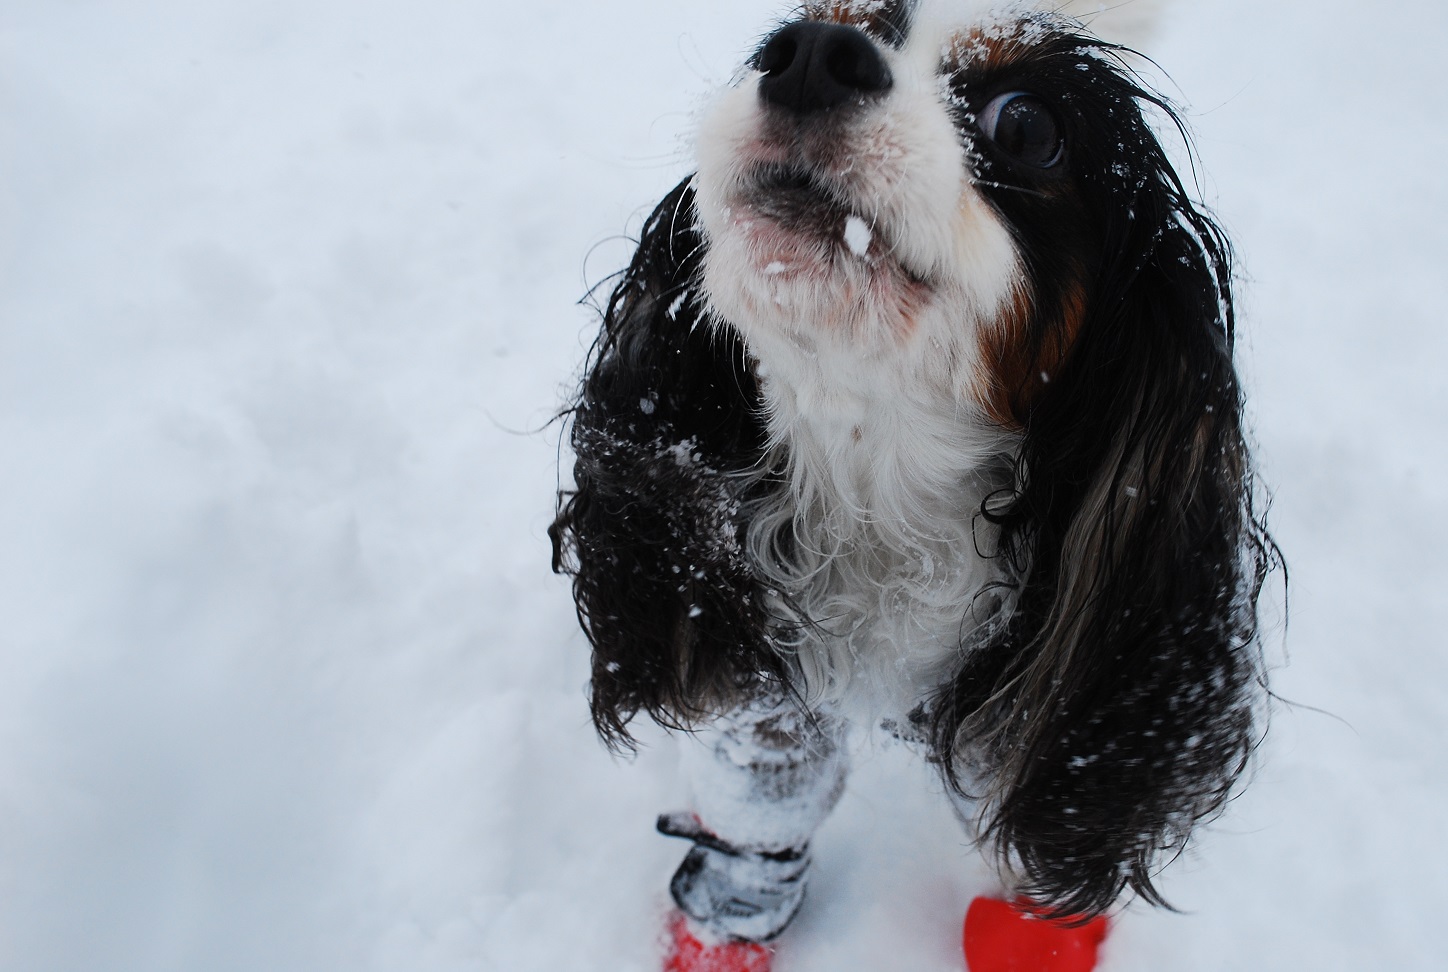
857, 235
288, 295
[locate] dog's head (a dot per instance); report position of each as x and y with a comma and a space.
948, 201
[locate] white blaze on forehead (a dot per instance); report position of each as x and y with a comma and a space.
933, 21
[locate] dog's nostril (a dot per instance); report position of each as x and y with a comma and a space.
811, 67
846, 66
778, 54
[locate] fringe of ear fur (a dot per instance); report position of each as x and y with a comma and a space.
669, 440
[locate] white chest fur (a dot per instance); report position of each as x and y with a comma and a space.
865, 271
883, 561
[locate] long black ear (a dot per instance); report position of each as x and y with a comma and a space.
1118, 703
668, 435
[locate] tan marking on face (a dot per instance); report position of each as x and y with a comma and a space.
1023, 355
987, 49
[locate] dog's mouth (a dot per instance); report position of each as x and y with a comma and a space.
803, 234
808, 204
797, 185
796, 196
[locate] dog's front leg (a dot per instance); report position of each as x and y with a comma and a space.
764, 776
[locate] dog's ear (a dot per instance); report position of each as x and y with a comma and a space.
668, 435
1114, 705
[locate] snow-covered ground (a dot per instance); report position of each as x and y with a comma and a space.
287, 297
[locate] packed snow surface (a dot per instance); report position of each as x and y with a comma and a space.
288, 297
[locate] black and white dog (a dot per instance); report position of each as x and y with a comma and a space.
917, 405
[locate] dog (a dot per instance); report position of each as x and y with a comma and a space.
916, 407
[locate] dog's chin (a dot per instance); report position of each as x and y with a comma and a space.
827, 276
789, 252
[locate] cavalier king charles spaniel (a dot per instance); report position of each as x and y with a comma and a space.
916, 407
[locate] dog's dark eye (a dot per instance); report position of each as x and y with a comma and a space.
1024, 128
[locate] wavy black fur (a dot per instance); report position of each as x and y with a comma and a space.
1118, 705
668, 437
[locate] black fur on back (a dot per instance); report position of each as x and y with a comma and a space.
668, 435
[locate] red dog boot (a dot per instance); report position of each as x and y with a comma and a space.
1003, 936
688, 953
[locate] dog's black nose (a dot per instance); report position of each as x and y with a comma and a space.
811, 66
